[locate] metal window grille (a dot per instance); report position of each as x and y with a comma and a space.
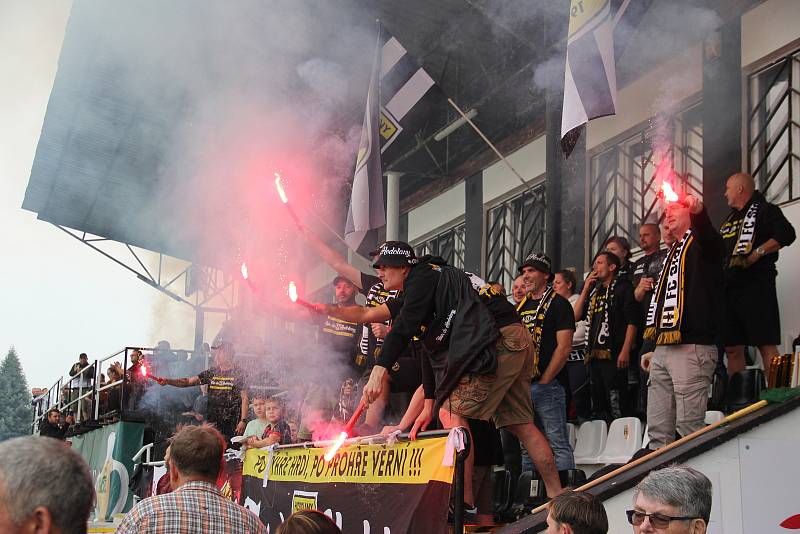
515, 228
449, 244
623, 184
773, 128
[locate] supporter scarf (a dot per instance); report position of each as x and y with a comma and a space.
538, 323
668, 298
600, 302
744, 241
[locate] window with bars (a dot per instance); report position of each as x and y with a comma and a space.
449, 244
515, 228
773, 151
624, 184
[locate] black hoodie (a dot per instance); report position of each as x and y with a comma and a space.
440, 305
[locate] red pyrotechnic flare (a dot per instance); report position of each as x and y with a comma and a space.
294, 298
668, 193
143, 370
244, 271
344, 434
284, 198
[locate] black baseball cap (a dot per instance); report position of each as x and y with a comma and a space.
395, 254
341, 278
538, 261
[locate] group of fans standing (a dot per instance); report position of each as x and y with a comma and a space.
468, 355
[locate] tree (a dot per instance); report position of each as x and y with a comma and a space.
15, 399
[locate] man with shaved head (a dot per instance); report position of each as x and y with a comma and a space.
753, 233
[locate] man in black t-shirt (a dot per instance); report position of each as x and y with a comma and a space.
228, 401
752, 234
550, 319
340, 336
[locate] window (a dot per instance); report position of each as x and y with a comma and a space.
515, 228
449, 244
773, 154
624, 185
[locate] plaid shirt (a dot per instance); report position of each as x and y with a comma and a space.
195, 507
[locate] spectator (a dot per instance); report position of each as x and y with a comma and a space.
613, 316
551, 321
474, 338
621, 248
518, 289
84, 375
576, 513
683, 323
45, 487
114, 392
674, 499
564, 283
308, 522
137, 382
227, 394
52, 426
753, 233
268, 428
195, 504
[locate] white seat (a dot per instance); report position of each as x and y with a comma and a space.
590, 442
712, 416
624, 439
572, 433
646, 438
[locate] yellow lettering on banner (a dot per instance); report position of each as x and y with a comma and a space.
387, 127
582, 13
414, 462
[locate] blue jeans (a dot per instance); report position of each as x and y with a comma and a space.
550, 410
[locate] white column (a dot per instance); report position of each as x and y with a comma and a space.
393, 205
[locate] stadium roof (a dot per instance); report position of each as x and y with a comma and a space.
103, 161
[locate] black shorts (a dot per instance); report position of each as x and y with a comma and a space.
405, 375
751, 314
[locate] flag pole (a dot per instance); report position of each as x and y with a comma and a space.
489, 143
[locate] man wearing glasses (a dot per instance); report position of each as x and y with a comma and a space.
673, 500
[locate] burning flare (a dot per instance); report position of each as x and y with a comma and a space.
143, 371
244, 271
279, 187
292, 291
669, 194
335, 447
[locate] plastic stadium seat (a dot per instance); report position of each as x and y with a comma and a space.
624, 439
530, 492
591, 442
572, 432
501, 491
744, 389
712, 416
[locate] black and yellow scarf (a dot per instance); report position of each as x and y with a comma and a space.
599, 337
668, 296
538, 323
744, 235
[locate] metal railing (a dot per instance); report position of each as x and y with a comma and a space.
623, 184
450, 245
515, 228
773, 155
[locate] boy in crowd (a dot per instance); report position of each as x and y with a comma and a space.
268, 428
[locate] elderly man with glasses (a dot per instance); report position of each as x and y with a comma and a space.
673, 500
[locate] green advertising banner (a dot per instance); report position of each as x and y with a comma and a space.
108, 451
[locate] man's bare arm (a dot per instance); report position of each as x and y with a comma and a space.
357, 314
337, 262
179, 382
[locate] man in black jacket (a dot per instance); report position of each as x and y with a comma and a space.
753, 233
683, 322
608, 305
51, 426
479, 362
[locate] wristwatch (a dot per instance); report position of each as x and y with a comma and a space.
760, 251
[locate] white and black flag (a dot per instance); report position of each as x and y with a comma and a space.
590, 82
397, 86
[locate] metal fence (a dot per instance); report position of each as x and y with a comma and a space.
449, 244
773, 155
623, 183
515, 228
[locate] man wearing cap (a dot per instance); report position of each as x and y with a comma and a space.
478, 363
550, 319
228, 401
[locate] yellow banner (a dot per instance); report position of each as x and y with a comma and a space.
411, 462
583, 13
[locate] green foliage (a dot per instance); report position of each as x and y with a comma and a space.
15, 398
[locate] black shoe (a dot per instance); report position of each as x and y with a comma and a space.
470, 514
